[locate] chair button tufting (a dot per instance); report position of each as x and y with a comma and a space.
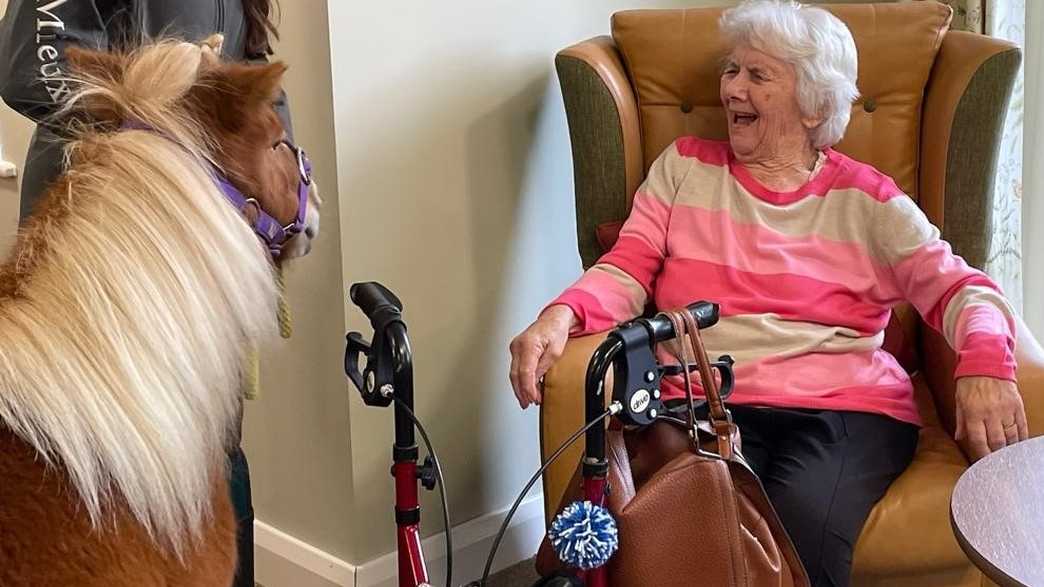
869, 105
686, 107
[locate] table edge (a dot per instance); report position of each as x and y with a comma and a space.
992, 571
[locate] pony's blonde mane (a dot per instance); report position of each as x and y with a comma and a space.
134, 293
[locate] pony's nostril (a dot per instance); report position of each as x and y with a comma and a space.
309, 231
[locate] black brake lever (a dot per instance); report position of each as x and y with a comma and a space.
724, 367
354, 345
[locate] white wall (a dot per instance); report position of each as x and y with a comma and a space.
15, 131
456, 192
296, 433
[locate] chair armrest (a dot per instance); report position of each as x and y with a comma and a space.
604, 133
562, 414
939, 362
963, 118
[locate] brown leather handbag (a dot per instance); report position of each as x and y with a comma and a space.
688, 515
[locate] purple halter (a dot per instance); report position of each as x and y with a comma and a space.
267, 228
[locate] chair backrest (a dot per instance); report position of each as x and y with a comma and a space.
673, 60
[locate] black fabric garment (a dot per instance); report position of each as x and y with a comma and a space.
35, 33
823, 472
242, 505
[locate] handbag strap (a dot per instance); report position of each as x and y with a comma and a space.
683, 357
686, 329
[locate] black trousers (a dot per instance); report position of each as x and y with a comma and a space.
824, 471
239, 486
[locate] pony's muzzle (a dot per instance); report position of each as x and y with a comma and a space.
301, 244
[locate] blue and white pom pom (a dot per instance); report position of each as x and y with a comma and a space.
584, 535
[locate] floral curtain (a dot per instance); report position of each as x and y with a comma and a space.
967, 15
1033, 171
1005, 19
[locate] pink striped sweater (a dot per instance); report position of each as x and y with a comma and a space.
806, 280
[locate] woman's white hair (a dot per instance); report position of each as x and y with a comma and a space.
816, 43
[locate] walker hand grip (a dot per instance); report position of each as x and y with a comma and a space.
374, 299
704, 313
388, 370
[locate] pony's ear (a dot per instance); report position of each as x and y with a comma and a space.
257, 83
214, 42
211, 50
94, 64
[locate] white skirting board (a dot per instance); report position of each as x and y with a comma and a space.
280, 560
285, 561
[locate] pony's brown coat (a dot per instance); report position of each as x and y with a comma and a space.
47, 539
49, 534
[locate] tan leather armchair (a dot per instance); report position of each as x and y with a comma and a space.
931, 113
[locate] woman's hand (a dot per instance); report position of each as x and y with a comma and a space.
536, 349
989, 414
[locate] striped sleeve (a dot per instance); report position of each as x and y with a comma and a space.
617, 286
961, 302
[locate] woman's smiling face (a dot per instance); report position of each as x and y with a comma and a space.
759, 93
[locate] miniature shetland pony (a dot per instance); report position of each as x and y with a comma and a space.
125, 311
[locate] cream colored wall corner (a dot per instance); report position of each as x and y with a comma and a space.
15, 132
296, 434
455, 182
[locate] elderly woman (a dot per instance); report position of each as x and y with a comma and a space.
807, 251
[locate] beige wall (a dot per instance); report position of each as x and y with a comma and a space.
296, 434
15, 131
456, 191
